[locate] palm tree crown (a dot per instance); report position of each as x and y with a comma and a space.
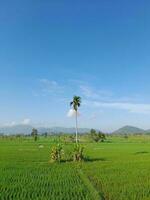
76, 102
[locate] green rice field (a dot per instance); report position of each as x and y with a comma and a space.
118, 169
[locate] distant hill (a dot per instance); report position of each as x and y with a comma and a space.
26, 129
62, 130
17, 129
147, 131
129, 130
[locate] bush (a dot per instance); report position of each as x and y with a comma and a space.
56, 153
97, 137
78, 153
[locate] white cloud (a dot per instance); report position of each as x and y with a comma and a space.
86, 91
96, 98
48, 82
92, 93
131, 107
13, 123
50, 87
93, 116
72, 113
26, 121
93, 97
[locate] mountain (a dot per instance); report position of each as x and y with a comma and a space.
129, 130
16, 129
27, 129
147, 131
62, 130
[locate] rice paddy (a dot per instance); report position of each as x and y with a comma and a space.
117, 169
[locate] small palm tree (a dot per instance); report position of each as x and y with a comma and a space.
76, 103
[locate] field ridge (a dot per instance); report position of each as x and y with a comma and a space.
94, 193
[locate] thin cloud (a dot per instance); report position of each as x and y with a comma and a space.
131, 107
93, 97
13, 123
105, 99
48, 87
92, 93
93, 116
26, 121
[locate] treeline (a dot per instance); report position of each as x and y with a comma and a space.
92, 136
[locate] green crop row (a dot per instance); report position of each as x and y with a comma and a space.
113, 171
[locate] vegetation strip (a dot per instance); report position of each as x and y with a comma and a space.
94, 193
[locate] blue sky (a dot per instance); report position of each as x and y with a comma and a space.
52, 50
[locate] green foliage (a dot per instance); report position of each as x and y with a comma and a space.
126, 136
34, 134
97, 137
76, 102
45, 134
71, 138
78, 152
56, 153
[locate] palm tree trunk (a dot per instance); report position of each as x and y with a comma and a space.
76, 128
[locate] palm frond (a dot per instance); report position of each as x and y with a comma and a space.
71, 103
76, 102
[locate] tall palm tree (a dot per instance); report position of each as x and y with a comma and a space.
76, 103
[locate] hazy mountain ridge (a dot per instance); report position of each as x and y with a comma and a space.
27, 129
62, 129
16, 129
130, 130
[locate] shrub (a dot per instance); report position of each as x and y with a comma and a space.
56, 153
78, 153
97, 137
